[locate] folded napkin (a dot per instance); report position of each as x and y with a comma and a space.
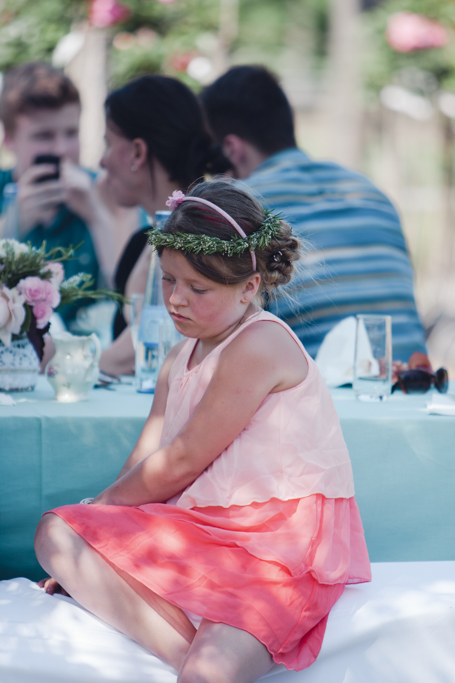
335, 358
441, 404
6, 400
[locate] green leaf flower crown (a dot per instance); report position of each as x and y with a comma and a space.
196, 244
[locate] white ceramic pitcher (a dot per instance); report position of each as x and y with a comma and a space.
73, 370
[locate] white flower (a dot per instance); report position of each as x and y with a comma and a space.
18, 247
12, 313
57, 271
76, 280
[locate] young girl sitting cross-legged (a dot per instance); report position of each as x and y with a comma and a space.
232, 528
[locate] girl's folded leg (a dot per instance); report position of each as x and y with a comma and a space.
224, 654
163, 629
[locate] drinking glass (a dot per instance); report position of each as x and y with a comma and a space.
134, 316
373, 357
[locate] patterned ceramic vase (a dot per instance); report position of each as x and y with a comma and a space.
19, 365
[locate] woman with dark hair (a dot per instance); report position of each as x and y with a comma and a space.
156, 142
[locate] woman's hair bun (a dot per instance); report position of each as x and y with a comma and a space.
202, 157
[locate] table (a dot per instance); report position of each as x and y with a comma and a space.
404, 475
53, 454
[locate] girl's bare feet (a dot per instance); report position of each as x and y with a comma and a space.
51, 586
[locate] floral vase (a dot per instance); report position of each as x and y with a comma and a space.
19, 365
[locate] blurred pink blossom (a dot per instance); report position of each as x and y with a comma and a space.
51, 294
12, 313
105, 13
32, 288
407, 31
179, 60
37, 291
42, 312
58, 273
166, 2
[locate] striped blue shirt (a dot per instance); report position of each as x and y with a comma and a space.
357, 260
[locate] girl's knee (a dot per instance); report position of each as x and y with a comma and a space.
49, 531
195, 670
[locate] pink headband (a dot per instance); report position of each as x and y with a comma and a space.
178, 197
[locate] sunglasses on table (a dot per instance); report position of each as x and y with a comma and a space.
420, 381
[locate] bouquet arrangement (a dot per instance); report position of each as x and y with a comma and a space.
33, 286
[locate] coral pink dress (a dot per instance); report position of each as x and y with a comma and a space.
266, 538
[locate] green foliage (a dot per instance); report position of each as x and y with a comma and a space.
18, 261
30, 29
78, 287
29, 262
421, 70
190, 27
178, 28
196, 244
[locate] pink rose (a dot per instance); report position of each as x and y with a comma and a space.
12, 314
57, 271
35, 290
51, 294
42, 312
32, 288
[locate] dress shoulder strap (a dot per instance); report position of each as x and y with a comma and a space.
265, 316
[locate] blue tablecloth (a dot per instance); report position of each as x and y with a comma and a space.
53, 454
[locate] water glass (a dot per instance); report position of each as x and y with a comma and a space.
373, 357
134, 316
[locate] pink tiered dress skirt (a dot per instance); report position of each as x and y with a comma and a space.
274, 569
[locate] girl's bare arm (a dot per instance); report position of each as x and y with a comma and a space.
149, 439
252, 366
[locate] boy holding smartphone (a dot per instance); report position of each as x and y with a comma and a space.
56, 200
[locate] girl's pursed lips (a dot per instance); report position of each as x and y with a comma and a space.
177, 316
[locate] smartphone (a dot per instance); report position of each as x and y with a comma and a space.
48, 159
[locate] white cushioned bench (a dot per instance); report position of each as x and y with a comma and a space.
398, 629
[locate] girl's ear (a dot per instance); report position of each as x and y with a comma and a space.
251, 287
140, 154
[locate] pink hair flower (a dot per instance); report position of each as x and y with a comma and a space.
175, 199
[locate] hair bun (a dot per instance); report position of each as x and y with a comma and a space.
205, 157
281, 253
217, 162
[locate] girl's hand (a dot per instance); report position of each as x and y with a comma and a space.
51, 586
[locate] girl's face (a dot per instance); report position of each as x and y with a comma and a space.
199, 307
118, 160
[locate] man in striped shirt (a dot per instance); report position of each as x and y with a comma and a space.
357, 260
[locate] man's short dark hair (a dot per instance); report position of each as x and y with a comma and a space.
248, 101
33, 86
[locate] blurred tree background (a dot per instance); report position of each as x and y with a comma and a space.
372, 84
162, 36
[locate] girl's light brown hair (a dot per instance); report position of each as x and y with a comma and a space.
274, 263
